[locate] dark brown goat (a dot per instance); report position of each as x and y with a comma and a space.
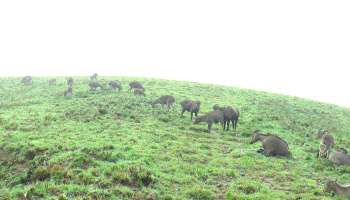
94, 85
139, 92
210, 118
135, 85
272, 144
230, 115
190, 106
27, 80
165, 100
114, 85
339, 157
340, 190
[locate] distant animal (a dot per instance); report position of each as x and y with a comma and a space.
68, 92
339, 157
114, 85
230, 115
336, 188
272, 144
326, 144
190, 106
165, 100
94, 77
70, 82
139, 92
135, 85
94, 85
210, 118
27, 80
52, 81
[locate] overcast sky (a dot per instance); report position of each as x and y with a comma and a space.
295, 47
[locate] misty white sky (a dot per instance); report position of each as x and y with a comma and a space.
295, 47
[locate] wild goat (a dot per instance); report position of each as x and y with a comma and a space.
340, 190
339, 157
114, 85
190, 106
165, 100
210, 118
230, 115
326, 144
272, 144
135, 85
94, 85
27, 80
139, 92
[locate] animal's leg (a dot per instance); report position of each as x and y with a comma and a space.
228, 126
182, 112
191, 115
209, 127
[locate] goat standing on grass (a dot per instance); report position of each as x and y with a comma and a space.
211, 118
190, 106
135, 85
165, 100
230, 115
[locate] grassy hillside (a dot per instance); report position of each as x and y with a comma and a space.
110, 145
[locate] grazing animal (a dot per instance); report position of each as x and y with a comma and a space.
340, 190
212, 117
68, 92
135, 85
230, 115
272, 144
114, 85
190, 106
165, 100
52, 81
94, 77
326, 144
27, 80
94, 85
139, 92
70, 82
339, 157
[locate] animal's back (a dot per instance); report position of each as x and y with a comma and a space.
215, 116
275, 146
339, 158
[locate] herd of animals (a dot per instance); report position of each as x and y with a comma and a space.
272, 145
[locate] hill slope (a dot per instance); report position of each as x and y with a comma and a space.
110, 145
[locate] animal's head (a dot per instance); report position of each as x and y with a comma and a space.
216, 107
330, 185
255, 136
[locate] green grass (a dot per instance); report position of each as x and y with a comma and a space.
110, 145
